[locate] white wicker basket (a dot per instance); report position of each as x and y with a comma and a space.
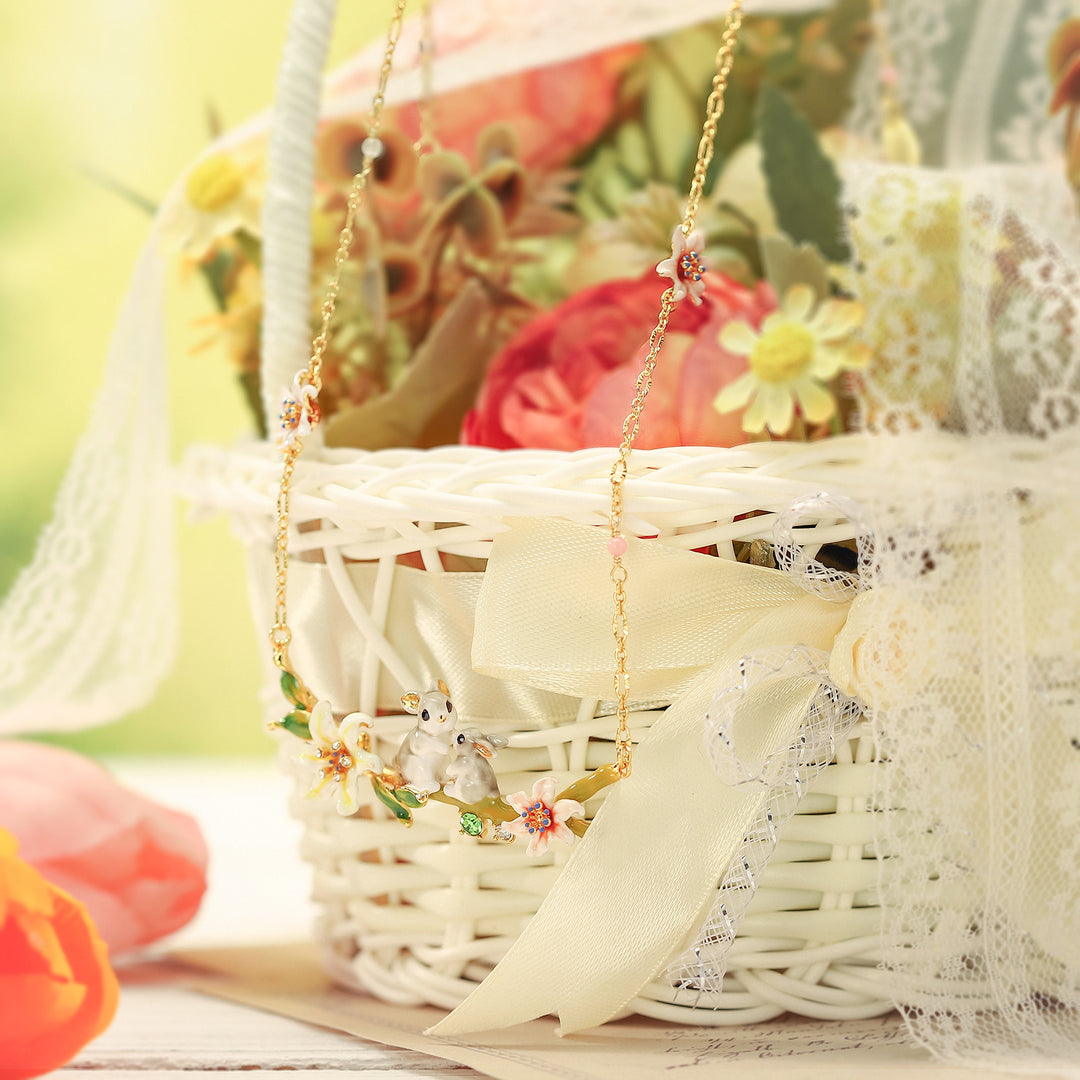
385, 543
421, 915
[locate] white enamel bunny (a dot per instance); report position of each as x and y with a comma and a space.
470, 772
425, 752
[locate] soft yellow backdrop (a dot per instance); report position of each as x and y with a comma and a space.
121, 88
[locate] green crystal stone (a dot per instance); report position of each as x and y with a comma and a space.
471, 825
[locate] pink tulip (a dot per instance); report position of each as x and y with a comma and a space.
140, 868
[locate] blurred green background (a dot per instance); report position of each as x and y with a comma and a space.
121, 89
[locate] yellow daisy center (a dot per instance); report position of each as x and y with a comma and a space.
783, 353
214, 183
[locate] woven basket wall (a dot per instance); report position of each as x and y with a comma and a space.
420, 915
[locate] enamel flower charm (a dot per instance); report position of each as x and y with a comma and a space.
797, 351
299, 411
540, 817
339, 756
685, 266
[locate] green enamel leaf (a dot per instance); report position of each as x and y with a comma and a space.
386, 797
407, 798
803, 185
296, 723
290, 687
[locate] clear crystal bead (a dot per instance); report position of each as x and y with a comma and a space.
372, 147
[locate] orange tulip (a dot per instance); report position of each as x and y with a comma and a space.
57, 990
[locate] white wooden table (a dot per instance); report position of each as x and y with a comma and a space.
258, 894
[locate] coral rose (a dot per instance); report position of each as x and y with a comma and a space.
139, 867
567, 379
554, 111
57, 990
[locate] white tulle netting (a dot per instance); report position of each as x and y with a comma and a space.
89, 627
969, 270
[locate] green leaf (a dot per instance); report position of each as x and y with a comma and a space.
290, 687
407, 798
803, 185
250, 384
296, 723
787, 264
386, 797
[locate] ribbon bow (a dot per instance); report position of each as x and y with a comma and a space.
742, 644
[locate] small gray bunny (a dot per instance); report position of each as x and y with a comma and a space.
469, 771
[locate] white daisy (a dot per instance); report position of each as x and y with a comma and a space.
798, 349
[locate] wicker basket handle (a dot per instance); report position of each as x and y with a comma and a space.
286, 219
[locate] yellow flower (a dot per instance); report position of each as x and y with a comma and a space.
220, 197
798, 349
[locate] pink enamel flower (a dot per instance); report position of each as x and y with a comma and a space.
540, 817
299, 411
686, 267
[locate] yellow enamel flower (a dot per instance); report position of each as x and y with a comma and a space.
798, 349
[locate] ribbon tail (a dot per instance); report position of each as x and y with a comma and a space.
644, 876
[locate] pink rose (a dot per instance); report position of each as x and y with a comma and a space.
554, 111
140, 868
567, 379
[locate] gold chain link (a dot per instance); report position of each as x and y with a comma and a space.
428, 142
280, 634
620, 623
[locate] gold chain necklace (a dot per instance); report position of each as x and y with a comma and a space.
417, 773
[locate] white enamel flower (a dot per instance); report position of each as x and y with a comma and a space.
798, 349
338, 757
685, 266
540, 817
299, 411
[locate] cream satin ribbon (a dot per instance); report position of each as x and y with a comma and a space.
642, 879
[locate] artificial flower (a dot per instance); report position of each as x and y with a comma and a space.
886, 652
340, 156
1063, 64
555, 110
480, 205
540, 817
797, 350
237, 327
566, 379
57, 990
743, 182
139, 867
339, 755
685, 266
299, 411
221, 196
